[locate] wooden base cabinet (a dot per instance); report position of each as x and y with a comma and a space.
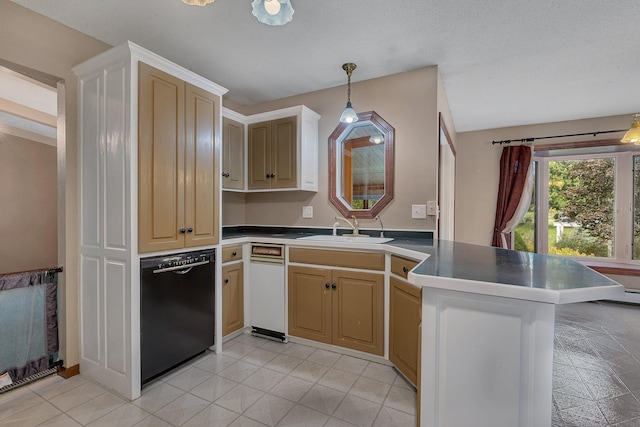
405, 310
232, 298
344, 308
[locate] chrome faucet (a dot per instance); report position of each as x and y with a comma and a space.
381, 226
353, 224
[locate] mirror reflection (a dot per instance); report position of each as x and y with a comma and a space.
361, 166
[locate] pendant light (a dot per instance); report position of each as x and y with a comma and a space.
272, 12
633, 134
349, 115
198, 2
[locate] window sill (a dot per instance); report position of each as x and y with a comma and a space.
613, 268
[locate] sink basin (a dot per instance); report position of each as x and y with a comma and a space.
346, 239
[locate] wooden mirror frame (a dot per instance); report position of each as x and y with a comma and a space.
335, 139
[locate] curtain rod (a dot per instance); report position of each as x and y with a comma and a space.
55, 270
509, 141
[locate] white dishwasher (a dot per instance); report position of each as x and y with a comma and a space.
266, 284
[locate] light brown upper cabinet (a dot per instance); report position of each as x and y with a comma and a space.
177, 179
232, 154
272, 154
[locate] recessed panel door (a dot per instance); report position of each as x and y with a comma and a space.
310, 303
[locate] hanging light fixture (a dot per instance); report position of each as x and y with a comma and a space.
633, 134
198, 2
272, 12
349, 115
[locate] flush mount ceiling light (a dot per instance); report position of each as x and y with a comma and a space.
272, 12
198, 2
349, 115
633, 134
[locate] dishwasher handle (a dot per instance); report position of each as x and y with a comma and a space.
186, 268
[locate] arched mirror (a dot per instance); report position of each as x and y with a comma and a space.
361, 166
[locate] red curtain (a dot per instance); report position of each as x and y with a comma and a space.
514, 166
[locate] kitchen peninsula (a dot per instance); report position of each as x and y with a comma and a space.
487, 325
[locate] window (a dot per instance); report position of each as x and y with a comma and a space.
584, 205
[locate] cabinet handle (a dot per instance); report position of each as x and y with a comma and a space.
226, 174
405, 270
273, 175
326, 285
226, 280
183, 230
333, 286
268, 176
190, 230
234, 253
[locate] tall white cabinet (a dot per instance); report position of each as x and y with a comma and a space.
109, 272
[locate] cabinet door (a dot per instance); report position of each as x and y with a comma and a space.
358, 311
259, 156
283, 153
310, 303
405, 306
201, 178
160, 160
232, 298
232, 154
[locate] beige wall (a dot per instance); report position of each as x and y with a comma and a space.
28, 218
233, 208
408, 101
39, 43
478, 168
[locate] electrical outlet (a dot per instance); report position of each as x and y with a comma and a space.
419, 211
307, 212
432, 208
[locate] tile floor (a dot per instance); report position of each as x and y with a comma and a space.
258, 382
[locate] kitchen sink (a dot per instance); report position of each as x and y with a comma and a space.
346, 239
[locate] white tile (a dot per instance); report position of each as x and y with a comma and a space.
125, 416
377, 371
237, 350
401, 399
324, 357
56, 385
391, 418
335, 422
264, 379
301, 416
322, 399
338, 380
283, 363
213, 388
402, 382
216, 363
291, 388
62, 420
157, 396
277, 347
212, 415
95, 408
239, 398
32, 416
269, 409
249, 339
182, 409
366, 388
17, 400
239, 371
259, 357
77, 396
152, 421
351, 364
309, 371
357, 411
300, 351
243, 421
188, 378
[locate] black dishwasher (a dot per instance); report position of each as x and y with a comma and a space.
177, 310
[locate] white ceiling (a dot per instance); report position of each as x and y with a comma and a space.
503, 62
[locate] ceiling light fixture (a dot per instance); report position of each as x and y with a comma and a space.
633, 134
349, 115
377, 138
198, 2
272, 12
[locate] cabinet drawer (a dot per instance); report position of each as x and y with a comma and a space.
402, 266
231, 253
348, 259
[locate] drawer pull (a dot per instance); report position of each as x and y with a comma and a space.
333, 286
326, 285
234, 253
405, 270
226, 280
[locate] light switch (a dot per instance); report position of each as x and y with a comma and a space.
418, 211
307, 212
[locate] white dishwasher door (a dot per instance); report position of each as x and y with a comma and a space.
267, 296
